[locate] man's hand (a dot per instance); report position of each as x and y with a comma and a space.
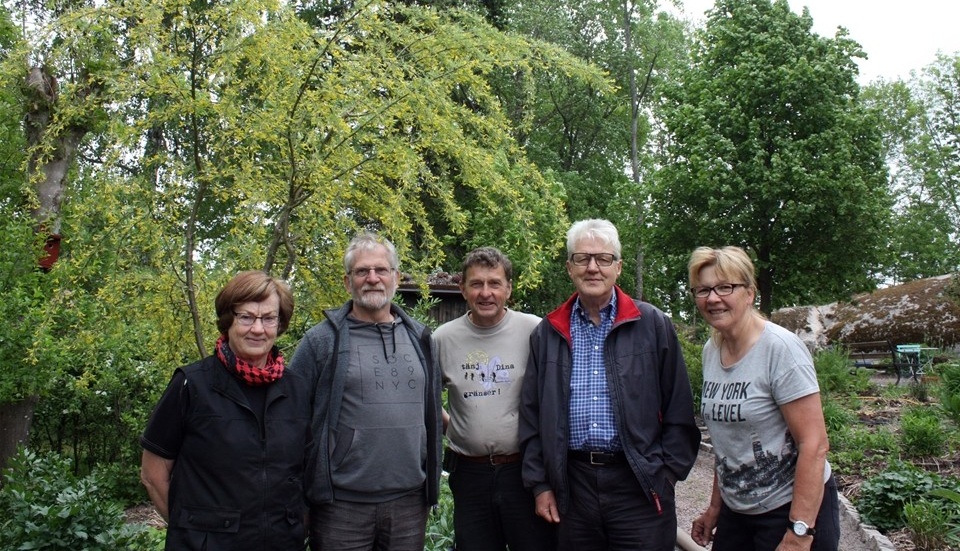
547, 507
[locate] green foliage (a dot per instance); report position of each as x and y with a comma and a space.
951, 497
858, 449
693, 357
95, 414
921, 432
43, 506
834, 374
918, 121
421, 311
582, 138
440, 536
770, 149
25, 292
952, 290
836, 417
919, 391
929, 523
232, 137
950, 390
883, 497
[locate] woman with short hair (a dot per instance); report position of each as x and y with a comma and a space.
773, 489
223, 452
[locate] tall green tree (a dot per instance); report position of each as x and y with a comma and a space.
770, 148
919, 120
233, 135
596, 144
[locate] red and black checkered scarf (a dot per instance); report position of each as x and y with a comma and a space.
250, 374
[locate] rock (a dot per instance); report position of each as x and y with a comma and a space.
922, 311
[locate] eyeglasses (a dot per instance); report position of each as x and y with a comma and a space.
602, 259
248, 320
722, 290
364, 272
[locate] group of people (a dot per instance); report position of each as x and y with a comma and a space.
567, 432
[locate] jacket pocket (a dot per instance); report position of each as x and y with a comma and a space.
208, 519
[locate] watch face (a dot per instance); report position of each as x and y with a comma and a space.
800, 528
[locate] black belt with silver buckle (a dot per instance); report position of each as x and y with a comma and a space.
597, 458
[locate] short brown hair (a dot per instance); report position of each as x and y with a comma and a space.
252, 286
488, 257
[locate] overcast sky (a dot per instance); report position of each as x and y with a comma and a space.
898, 36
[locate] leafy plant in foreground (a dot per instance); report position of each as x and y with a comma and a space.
440, 536
883, 497
43, 506
929, 523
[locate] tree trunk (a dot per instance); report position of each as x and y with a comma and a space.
15, 420
49, 158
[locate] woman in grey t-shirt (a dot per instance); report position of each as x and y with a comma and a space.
773, 488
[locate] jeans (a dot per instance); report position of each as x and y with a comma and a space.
493, 511
397, 525
763, 532
610, 511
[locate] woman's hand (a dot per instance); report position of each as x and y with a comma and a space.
703, 526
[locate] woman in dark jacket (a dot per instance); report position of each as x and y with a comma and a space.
223, 452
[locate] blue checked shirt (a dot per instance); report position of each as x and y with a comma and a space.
593, 426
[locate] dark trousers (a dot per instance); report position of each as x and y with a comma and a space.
397, 525
493, 511
608, 510
763, 532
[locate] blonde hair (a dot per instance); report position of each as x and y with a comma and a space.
732, 264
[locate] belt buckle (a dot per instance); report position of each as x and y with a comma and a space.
599, 455
493, 460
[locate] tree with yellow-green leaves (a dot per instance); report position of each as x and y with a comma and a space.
223, 136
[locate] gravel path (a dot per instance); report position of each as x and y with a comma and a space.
693, 495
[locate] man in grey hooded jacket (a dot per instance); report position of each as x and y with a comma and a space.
375, 470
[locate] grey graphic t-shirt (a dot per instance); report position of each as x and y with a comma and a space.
755, 452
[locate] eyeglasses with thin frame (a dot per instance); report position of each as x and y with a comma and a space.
722, 290
364, 272
247, 320
602, 259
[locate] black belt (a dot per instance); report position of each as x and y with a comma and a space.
597, 458
492, 459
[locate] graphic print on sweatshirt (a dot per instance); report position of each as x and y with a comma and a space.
487, 375
394, 378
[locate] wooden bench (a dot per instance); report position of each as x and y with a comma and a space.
884, 355
872, 354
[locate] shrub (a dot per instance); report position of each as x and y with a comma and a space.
94, 413
920, 391
834, 374
43, 506
921, 434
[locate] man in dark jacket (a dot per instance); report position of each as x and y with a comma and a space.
606, 421
375, 470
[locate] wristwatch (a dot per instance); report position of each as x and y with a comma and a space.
800, 528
